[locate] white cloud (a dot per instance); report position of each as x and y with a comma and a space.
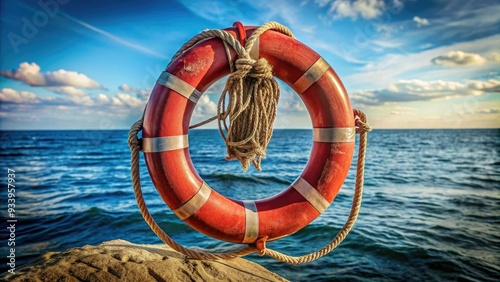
393, 67
205, 106
459, 58
388, 44
29, 73
8, 95
396, 113
205, 109
75, 95
75, 98
103, 99
489, 111
419, 90
451, 28
130, 101
490, 86
367, 9
420, 21
217, 88
290, 102
400, 110
114, 37
69, 90
126, 88
141, 93
120, 100
494, 57
82, 100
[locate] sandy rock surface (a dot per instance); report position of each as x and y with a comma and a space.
119, 260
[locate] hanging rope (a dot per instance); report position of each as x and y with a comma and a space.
253, 103
362, 128
246, 119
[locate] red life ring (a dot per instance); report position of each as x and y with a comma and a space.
165, 143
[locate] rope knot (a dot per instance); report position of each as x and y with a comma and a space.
362, 127
360, 120
244, 65
254, 68
246, 119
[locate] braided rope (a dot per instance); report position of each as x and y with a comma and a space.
242, 52
209, 34
263, 28
246, 124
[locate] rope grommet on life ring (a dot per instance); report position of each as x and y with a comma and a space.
261, 245
165, 140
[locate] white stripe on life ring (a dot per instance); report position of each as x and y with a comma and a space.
251, 222
180, 86
335, 134
163, 144
195, 203
311, 194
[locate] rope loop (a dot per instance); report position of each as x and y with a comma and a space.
360, 121
133, 140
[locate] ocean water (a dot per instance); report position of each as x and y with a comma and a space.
430, 212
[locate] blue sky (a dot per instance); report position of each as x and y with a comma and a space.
68, 64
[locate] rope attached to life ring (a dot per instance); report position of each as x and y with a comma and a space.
238, 84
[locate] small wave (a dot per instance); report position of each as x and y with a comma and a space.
87, 163
17, 154
91, 153
472, 184
99, 195
483, 178
468, 202
250, 179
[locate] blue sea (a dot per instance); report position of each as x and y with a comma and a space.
430, 211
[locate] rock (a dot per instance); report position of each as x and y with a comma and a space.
119, 260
